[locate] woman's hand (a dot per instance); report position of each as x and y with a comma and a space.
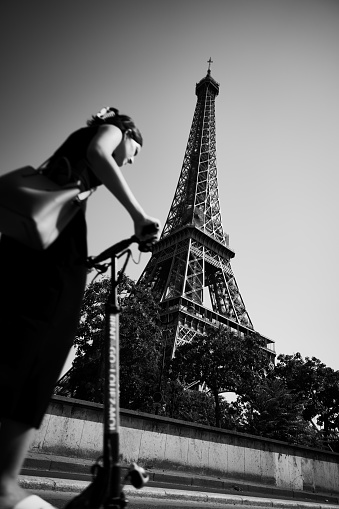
147, 229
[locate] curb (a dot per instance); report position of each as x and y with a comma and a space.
75, 469
71, 486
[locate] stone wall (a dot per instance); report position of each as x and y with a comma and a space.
73, 428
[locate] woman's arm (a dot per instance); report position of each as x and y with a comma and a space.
105, 168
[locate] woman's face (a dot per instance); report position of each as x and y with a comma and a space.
126, 151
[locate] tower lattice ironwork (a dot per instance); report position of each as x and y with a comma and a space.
190, 270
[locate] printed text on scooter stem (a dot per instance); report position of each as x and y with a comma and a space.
113, 379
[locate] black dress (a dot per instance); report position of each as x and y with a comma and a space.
40, 299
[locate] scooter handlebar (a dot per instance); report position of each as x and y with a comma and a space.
144, 245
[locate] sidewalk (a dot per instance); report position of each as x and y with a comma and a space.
70, 486
69, 475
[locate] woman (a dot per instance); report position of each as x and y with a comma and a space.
41, 293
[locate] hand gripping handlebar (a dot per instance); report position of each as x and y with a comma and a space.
144, 245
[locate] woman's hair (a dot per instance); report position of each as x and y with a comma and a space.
110, 115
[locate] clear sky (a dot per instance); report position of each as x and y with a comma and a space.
277, 120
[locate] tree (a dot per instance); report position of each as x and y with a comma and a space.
221, 360
316, 388
85, 379
140, 348
140, 345
271, 410
187, 404
328, 408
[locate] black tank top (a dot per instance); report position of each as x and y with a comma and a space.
74, 149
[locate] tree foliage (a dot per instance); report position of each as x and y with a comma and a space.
271, 410
140, 350
140, 345
315, 387
221, 360
187, 404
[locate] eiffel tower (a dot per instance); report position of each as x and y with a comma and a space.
190, 270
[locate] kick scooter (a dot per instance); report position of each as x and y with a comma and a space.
105, 491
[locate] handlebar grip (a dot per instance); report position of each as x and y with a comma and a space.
145, 247
138, 476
